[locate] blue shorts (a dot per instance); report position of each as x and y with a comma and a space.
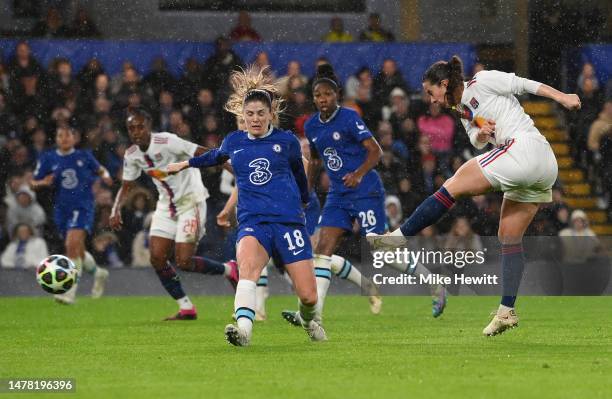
73, 218
369, 212
288, 243
312, 213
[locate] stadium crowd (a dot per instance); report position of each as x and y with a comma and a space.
422, 144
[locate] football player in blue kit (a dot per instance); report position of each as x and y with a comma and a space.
272, 190
72, 173
343, 143
340, 266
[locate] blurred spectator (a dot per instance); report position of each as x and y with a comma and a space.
592, 102
599, 129
83, 26
159, 78
8, 121
337, 34
388, 79
440, 128
393, 209
5, 80
52, 26
22, 64
25, 250
588, 72
161, 122
375, 32
28, 98
477, 68
294, 74
87, 76
37, 143
262, 61
26, 210
409, 198
487, 219
189, 84
243, 31
204, 106
461, 237
141, 256
60, 85
218, 67
361, 80
132, 85
138, 205
579, 242
297, 106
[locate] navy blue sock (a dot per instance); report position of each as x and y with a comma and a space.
204, 265
512, 272
171, 281
428, 213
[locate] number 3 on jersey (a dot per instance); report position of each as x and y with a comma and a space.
334, 162
69, 179
261, 174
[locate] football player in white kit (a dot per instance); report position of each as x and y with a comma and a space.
180, 216
522, 166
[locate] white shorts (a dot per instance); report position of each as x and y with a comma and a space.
524, 169
187, 227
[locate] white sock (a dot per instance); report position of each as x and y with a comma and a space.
343, 268
184, 303
262, 292
89, 263
244, 306
397, 233
322, 266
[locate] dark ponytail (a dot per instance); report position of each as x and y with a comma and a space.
325, 74
451, 70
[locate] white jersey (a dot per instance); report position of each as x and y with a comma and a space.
491, 95
178, 193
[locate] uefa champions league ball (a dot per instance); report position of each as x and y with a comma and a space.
56, 274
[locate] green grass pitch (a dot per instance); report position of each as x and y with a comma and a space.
117, 347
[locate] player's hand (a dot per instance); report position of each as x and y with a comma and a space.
487, 130
115, 221
223, 218
177, 167
351, 180
570, 101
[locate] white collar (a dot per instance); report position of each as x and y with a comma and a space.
260, 137
333, 115
61, 154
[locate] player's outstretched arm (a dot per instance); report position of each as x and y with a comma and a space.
115, 218
44, 182
569, 101
374, 154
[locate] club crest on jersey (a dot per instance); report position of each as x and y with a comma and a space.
474, 103
336, 136
276, 148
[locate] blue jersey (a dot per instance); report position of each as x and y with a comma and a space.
74, 174
269, 175
338, 142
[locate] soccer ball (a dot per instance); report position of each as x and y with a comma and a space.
56, 274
